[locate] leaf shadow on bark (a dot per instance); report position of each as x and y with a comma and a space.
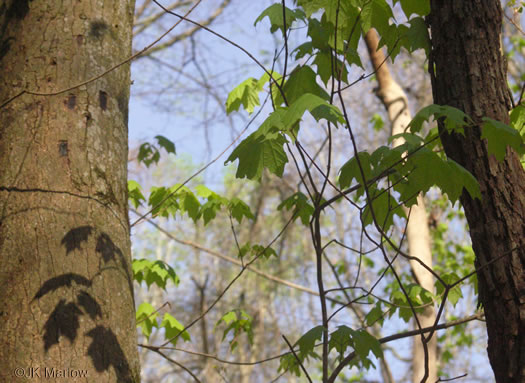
105, 350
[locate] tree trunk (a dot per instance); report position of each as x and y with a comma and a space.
66, 286
469, 74
396, 103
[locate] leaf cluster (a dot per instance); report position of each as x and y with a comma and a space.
147, 319
202, 204
237, 322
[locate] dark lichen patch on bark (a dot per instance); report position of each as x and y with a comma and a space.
103, 100
62, 148
97, 29
71, 101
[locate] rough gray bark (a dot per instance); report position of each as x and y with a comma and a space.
468, 72
66, 292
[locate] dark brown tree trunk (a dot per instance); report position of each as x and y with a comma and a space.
66, 292
469, 74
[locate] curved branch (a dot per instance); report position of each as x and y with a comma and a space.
111, 69
478, 316
190, 32
234, 261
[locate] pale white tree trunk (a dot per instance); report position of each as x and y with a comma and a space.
395, 101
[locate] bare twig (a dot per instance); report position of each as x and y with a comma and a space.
216, 358
94, 78
172, 361
298, 360
232, 282
451, 379
478, 316
236, 262
183, 17
192, 31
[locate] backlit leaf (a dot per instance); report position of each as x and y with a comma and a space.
135, 194
239, 209
499, 136
173, 328
301, 208
419, 7
275, 14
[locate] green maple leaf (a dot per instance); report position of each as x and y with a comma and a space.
173, 328
302, 80
257, 152
419, 7
245, 94
499, 136
275, 14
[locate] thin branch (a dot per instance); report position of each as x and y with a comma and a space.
514, 23
92, 79
172, 361
140, 10
192, 31
285, 43
229, 42
451, 379
232, 282
236, 262
520, 100
154, 312
216, 358
478, 316
142, 24
298, 360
